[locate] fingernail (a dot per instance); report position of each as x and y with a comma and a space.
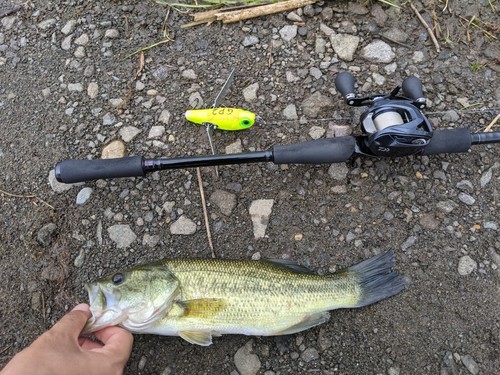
81, 307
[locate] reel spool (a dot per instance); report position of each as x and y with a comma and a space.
395, 127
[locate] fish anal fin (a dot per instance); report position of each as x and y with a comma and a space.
309, 321
203, 338
202, 308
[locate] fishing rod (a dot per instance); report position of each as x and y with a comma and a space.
392, 126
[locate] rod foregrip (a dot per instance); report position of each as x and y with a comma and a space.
321, 151
449, 141
70, 171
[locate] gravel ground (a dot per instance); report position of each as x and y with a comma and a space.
68, 90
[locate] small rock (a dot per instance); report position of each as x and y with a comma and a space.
250, 92
46, 234
310, 354
260, 211
168, 207
470, 364
189, 74
150, 240
115, 149
183, 225
294, 17
410, 241
44, 25
108, 119
246, 361
75, 87
66, 43
83, 195
165, 117
82, 40
156, 132
312, 105
224, 200
466, 265
418, 57
393, 371
338, 171
344, 45
428, 221
486, 176
129, 132
80, 259
451, 116
490, 225
315, 72
250, 40
378, 51
234, 148
316, 132
288, 32
69, 27
122, 235
290, 112
446, 206
466, 198
111, 34
93, 90
142, 363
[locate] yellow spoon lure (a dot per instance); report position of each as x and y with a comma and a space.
223, 118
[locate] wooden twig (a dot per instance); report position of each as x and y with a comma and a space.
29, 196
247, 13
495, 120
205, 211
429, 30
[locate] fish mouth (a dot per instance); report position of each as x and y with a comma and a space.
104, 312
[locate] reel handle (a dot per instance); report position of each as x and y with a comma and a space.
412, 89
344, 83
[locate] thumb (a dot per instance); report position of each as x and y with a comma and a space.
73, 322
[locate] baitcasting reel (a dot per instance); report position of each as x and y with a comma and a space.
393, 125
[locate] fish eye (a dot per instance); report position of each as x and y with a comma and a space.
117, 278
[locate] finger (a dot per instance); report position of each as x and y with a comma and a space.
73, 322
117, 341
88, 344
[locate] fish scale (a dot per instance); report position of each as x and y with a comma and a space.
200, 298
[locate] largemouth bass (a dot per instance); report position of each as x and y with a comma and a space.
197, 299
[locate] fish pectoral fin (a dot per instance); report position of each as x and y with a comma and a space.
202, 308
309, 321
203, 338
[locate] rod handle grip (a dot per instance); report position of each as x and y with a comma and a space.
321, 151
71, 171
449, 141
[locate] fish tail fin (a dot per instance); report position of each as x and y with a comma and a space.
376, 279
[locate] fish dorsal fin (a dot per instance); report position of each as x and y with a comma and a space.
202, 308
292, 266
309, 321
203, 338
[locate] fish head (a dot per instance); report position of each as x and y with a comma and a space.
134, 299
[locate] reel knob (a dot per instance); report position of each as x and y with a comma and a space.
412, 89
344, 83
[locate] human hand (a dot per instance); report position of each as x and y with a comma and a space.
61, 350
